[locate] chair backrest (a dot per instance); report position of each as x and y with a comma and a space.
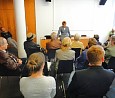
51, 54
65, 66
111, 63
77, 52
4, 71
13, 50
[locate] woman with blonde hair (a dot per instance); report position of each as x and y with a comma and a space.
65, 53
37, 85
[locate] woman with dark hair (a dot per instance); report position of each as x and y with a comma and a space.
37, 85
64, 30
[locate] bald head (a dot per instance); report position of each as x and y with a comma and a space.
3, 43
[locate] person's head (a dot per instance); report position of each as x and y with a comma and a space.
30, 36
53, 35
36, 62
3, 43
76, 37
95, 55
112, 30
64, 23
113, 40
66, 43
92, 41
96, 36
3, 29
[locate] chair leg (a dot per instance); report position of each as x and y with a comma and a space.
63, 87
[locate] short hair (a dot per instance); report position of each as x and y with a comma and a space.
113, 38
96, 36
35, 61
2, 41
53, 35
63, 22
76, 37
95, 54
66, 42
92, 41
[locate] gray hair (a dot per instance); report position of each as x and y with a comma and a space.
53, 35
76, 36
2, 41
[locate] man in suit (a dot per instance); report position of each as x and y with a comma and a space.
8, 60
93, 82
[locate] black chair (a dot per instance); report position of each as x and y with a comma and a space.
51, 54
9, 83
111, 63
77, 52
65, 67
13, 51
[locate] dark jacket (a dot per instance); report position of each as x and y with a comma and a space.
6, 35
9, 64
31, 47
93, 82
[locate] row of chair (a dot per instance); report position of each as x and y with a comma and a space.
51, 53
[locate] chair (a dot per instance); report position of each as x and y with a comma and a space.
51, 54
65, 67
13, 50
111, 63
9, 83
77, 52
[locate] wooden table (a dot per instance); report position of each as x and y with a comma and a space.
43, 42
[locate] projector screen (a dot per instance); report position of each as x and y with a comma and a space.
79, 14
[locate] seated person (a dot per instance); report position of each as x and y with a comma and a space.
8, 60
110, 51
8, 36
96, 36
82, 59
54, 43
112, 32
93, 82
29, 46
37, 85
65, 53
76, 43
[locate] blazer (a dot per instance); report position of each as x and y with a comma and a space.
93, 82
64, 32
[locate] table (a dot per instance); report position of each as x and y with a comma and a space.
84, 40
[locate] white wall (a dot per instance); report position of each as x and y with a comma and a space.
101, 17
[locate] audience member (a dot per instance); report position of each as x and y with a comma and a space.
107, 44
7, 59
8, 36
82, 59
64, 31
112, 32
76, 43
111, 92
30, 46
54, 43
110, 51
93, 82
37, 85
65, 53
96, 36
